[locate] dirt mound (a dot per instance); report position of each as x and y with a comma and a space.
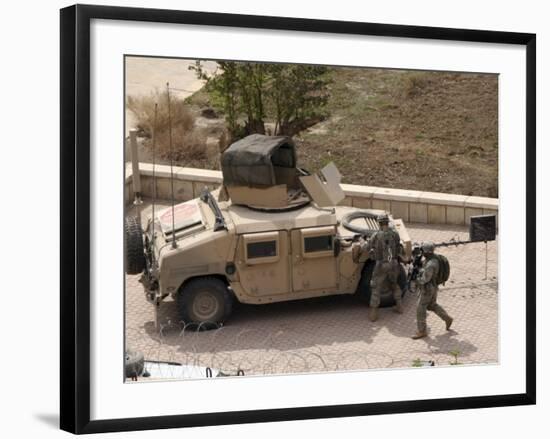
432, 131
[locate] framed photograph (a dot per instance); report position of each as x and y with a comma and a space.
275, 218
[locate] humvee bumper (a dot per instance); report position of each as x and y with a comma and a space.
150, 287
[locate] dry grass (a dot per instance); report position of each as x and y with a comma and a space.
429, 131
188, 144
414, 84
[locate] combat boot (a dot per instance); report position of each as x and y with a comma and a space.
373, 314
398, 307
448, 323
419, 334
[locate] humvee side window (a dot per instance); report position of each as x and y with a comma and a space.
261, 248
318, 242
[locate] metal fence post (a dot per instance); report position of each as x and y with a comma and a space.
136, 180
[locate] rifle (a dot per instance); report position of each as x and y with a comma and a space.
417, 253
414, 269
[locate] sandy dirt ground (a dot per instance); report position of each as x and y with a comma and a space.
145, 75
333, 333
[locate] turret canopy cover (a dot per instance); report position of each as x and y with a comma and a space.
255, 160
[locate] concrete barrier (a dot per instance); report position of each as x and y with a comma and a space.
409, 205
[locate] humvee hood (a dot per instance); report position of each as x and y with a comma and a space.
186, 215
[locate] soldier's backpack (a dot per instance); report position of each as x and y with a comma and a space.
444, 270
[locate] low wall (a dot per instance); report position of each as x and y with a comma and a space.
411, 206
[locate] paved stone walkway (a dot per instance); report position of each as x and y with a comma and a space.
333, 333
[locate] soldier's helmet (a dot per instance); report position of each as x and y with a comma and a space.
383, 218
428, 247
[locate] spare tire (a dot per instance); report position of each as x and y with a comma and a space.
135, 258
365, 231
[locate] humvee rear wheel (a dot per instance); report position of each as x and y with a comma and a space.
386, 298
204, 301
135, 258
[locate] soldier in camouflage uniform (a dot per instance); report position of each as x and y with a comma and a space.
427, 297
385, 247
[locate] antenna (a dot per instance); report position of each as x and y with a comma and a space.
154, 184
174, 245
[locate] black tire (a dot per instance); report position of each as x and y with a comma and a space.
134, 363
135, 258
205, 302
363, 289
386, 298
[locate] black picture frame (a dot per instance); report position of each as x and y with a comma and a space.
75, 217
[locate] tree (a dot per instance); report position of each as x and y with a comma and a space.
298, 94
291, 95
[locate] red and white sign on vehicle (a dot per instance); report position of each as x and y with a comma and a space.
185, 215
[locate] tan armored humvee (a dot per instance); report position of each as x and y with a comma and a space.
273, 233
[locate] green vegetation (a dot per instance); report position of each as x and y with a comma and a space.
455, 353
248, 94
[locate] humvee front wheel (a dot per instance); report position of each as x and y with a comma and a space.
204, 301
364, 290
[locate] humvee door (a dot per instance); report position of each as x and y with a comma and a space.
263, 263
313, 258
